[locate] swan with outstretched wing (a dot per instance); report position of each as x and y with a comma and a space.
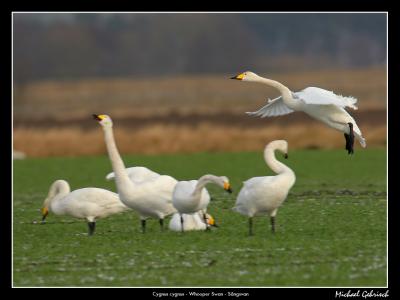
318, 103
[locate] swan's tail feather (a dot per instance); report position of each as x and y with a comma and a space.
362, 141
359, 137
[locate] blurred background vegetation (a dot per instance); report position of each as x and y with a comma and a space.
163, 78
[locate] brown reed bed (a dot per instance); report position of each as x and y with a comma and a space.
161, 138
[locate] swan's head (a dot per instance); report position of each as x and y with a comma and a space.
246, 76
210, 221
45, 212
104, 120
46, 203
280, 145
224, 181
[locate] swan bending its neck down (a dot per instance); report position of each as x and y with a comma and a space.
263, 195
318, 103
87, 203
191, 196
191, 222
150, 198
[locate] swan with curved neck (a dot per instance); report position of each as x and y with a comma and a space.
264, 195
150, 198
191, 196
318, 103
87, 203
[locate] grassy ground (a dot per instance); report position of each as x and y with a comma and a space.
331, 231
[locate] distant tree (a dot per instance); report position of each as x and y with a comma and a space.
63, 46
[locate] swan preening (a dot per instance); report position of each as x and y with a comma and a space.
87, 203
191, 196
263, 195
151, 198
318, 103
191, 222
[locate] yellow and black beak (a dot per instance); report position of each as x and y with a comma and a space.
211, 222
227, 187
238, 77
45, 212
98, 117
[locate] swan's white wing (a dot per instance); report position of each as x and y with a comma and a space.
275, 107
317, 96
137, 174
90, 202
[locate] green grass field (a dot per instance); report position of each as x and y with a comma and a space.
331, 231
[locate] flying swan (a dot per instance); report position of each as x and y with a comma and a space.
150, 198
318, 103
87, 203
191, 196
263, 195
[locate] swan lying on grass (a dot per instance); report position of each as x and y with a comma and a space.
87, 203
318, 103
150, 198
191, 222
191, 196
263, 195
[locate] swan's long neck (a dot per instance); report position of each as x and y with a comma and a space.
285, 92
202, 183
58, 189
273, 163
121, 176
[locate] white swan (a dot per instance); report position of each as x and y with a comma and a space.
263, 195
150, 198
87, 203
191, 196
137, 174
318, 103
191, 222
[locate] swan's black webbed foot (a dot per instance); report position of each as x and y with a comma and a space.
92, 226
250, 226
182, 228
350, 139
273, 224
143, 226
161, 224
